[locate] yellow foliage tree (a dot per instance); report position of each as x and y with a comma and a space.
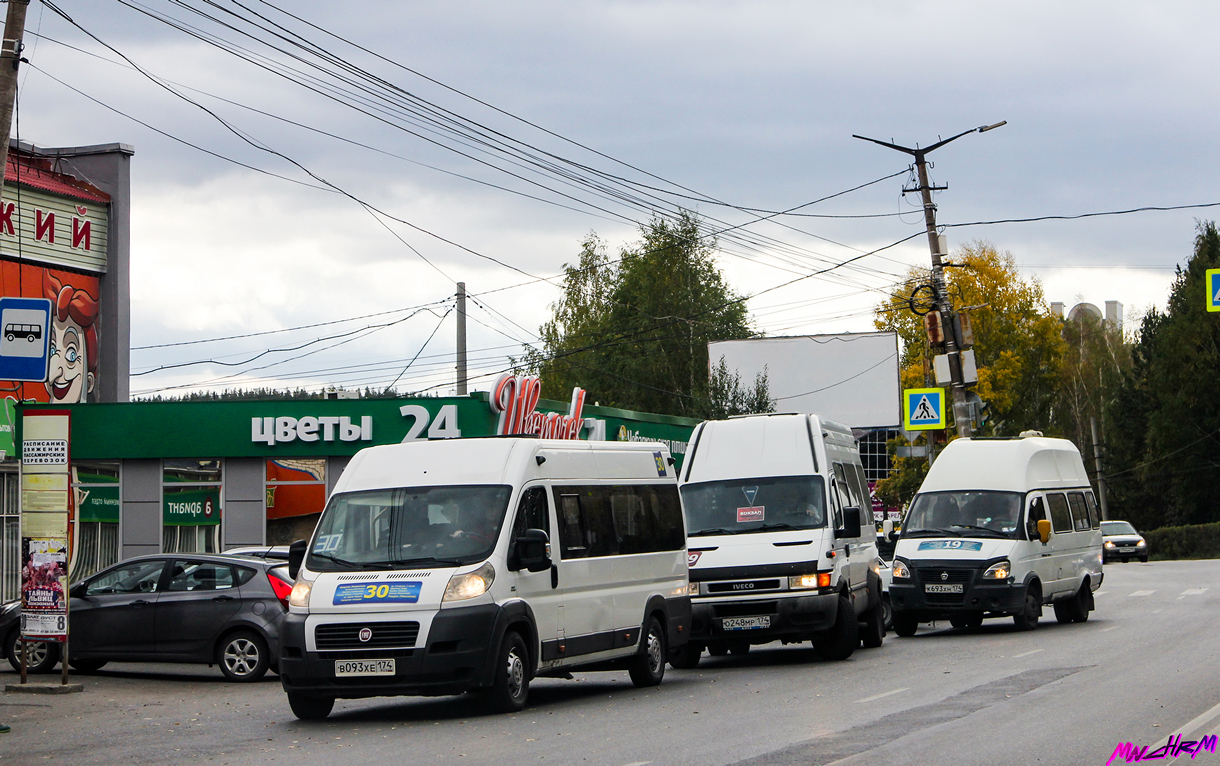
1018, 344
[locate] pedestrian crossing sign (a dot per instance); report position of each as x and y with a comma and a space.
923, 409
1213, 289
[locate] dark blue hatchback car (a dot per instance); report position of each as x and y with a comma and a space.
183, 607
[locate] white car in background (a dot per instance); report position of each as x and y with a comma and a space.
1121, 541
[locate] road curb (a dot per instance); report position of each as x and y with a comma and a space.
43, 688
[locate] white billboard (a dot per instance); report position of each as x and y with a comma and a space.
850, 377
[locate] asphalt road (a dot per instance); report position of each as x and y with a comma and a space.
1142, 668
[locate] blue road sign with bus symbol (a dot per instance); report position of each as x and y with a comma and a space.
1212, 280
923, 409
25, 330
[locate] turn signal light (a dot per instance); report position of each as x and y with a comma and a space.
824, 579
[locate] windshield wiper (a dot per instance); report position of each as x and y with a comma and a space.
713, 531
988, 530
776, 525
421, 560
337, 560
931, 532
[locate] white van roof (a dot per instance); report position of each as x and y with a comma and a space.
1016, 465
760, 445
499, 460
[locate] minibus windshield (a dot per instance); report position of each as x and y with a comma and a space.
768, 504
964, 514
411, 527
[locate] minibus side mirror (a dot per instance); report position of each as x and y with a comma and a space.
1044, 530
851, 523
296, 555
531, 551
887, 528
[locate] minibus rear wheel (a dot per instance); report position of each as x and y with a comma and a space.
511, 687
648, 667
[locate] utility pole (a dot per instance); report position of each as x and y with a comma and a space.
1101, 476
936, 243
461, 338
10, 59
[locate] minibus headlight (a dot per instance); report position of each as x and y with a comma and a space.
470, 585
300, 594
998, 571
803, 582
900, 570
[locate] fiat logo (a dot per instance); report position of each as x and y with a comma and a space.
943, 576
366, 634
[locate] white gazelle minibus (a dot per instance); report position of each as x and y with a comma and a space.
999, 527
463, 565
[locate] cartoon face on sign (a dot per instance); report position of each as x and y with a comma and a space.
72, 372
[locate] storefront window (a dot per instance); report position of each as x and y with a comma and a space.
190, 506
10, 538
296, 494
95, 489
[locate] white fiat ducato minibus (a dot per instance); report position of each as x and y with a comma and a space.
775, 541
999, 527
477, 564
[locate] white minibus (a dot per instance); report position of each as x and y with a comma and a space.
776, 545
443, 567
1000, 526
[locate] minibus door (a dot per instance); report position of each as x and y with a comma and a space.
537, 589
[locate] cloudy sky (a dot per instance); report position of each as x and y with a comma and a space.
362, 203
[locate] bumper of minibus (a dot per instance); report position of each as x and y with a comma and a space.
1001, 597
455, 660
789, 616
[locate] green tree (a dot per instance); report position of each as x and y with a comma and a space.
634, 332
1164, 423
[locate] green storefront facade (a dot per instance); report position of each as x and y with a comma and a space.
150, 477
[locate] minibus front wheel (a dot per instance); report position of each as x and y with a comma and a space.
310, 708
648, 667
511, 687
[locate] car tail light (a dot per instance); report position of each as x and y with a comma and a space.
281, 588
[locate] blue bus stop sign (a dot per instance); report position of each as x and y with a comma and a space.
25, 338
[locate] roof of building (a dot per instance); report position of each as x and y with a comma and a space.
38, 173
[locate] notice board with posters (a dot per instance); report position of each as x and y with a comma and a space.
45, 506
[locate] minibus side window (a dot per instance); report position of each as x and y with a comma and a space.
1037, 512
1061, 518
532, 512
1094, 518
571, 527
835, 505
1080, 512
